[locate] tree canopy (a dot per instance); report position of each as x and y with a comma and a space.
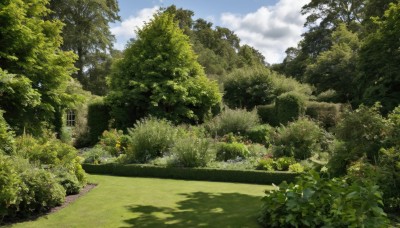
159, 75
34, 70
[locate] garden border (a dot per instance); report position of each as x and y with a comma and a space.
204, 174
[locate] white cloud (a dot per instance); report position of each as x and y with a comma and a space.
127, 28
271, 30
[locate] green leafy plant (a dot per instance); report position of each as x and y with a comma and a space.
299, 139
283, 163
260, 134
231, 151
315, 201
114, 141
6, 136
236, 121
191, 151
296, 167
150, 138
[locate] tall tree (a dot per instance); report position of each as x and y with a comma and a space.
34, 71
159, 75
336, 68
379, 62
86, 31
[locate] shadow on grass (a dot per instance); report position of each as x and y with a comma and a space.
200, 209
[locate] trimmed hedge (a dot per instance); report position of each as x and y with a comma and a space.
289, 106
326, 113
267, 114
98, 118
205, 174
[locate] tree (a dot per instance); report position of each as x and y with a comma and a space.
159, 75
86, 32
34, 71
379, 62
336, 68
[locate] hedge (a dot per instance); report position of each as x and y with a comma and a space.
267, 114
326, 113
98, 118
289, 106
205, 174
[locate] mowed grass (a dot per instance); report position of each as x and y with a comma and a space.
149, 202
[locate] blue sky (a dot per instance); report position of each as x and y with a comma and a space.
270, 26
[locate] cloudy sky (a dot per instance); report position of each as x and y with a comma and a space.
270, 26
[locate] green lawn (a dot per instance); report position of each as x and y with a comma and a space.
149, 202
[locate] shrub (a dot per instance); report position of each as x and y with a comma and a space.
229, 151
236, 121
6, 136
363, 132
69, 181
114, 141
191, 151
260, 134
328, 114
299, 139
296, 168
247, 88
290, 106
257, 150
267, 114
266, 164
97, 120
283, 163
314, 201
10, 183
150, 138
97, 155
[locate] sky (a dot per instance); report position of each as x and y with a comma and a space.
270, 26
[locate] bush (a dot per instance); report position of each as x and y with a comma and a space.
314, 201
114, 141
328, 114
10, 183
231, 151
97, 120
363, 132
247, 88
296, 168
69, 181
6, 136
267, 114
266, 164
290, 106
299, 139
283, 163
191, 151
150, 138
260, 134
236, 121
97, 155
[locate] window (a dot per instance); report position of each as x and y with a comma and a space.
70, 118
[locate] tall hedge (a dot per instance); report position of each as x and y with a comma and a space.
267, 114
98, 120
289, 106
328, 114
6, 136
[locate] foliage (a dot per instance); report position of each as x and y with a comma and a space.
266, 164
335, 68
300, 139
379, 57
290, 106
159, 76
33, 64
279, 164
114, 142
191, 151
9, 184
267, 114
236, 121
86, 32
249, 87
97, 120
315, 201
68, 180
208, 174
150, 138
6, 137
97, 155
231, 151
283, 163
260, 134
363, 132
296, 167
327, 114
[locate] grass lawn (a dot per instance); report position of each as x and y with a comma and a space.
149, 202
